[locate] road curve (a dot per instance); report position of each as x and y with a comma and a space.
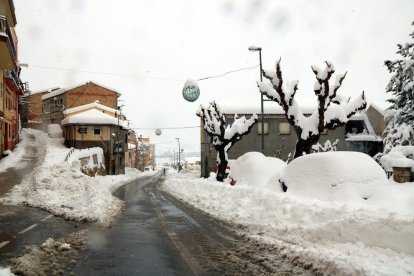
159, 235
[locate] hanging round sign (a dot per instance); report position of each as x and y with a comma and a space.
191, 92
158, 132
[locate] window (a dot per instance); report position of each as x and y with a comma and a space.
355, 126
284, 128
265, 128
97, 131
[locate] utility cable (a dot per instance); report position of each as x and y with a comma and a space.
165, 128
222, 75
140, 76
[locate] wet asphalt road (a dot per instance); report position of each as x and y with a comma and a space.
159, 235
136, 245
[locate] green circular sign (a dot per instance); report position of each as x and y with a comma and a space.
191, 92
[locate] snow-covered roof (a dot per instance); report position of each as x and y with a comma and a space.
54, 93
252, 106
63, 90
95, 104
192, 160
370, 135
380, 106
93, 117
47, 90
94, 82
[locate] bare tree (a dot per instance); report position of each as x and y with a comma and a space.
333, 110
222, 134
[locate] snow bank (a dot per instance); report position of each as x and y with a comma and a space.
55, 131
13, 158
334, 176
63, 190
253, 168
338, 238
5, 271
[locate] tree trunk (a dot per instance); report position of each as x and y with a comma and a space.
303, 146
221, 170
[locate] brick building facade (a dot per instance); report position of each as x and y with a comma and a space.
31, 108
54, 103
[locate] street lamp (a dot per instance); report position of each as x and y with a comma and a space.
179, 154
259, 49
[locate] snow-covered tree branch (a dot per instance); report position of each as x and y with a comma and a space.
223, 135
400, 129
333, 110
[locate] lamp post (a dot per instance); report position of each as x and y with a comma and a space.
259, 49
179, 154
120, 144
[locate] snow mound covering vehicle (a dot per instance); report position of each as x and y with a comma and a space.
334, 176
253, 168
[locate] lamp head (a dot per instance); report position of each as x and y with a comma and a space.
255, 48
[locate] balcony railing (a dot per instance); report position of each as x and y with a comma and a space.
14, 75
5, 28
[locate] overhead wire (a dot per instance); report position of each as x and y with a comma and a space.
103, 73
163, 128
140, 76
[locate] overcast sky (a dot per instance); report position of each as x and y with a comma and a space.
147, 49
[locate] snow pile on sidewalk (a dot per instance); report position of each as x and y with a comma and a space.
63, 190
370, 236
254, 168
12, 160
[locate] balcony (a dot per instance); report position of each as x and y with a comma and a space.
7, 48
14, 82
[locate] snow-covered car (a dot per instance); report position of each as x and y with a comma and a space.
332, 176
